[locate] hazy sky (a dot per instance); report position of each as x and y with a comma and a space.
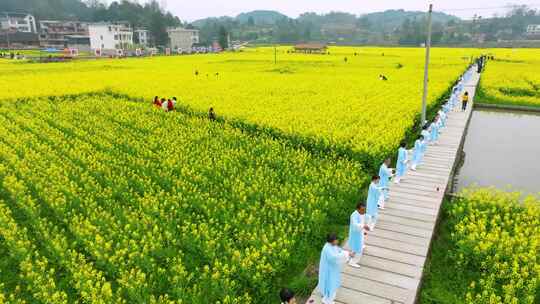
190, 10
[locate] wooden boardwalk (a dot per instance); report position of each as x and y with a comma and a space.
396, 251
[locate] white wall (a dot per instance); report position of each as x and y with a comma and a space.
183, 39
25, 24
109, 37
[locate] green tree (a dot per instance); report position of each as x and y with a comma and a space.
223, 37
251, 21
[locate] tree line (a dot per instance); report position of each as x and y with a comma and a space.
397, 27
149, 15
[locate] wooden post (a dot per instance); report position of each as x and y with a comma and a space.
426, 68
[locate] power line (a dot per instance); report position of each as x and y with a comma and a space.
530, 5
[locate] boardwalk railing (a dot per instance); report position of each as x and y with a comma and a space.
396, 251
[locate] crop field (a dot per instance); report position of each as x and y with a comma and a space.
106, 199
488, 250
129, 202
316, 99
512, 78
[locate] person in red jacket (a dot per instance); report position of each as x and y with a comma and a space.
156, 101
170, 106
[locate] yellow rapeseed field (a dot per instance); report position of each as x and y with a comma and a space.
317, 98
107, 199
512, 78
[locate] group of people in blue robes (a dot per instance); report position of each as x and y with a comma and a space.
364, 217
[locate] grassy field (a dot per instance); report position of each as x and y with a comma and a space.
512, 78
487, 251
105, 198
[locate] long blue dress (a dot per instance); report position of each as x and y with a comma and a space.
332, 259
442, 119
356, 232
427, 137
434, 130
401, 166
417, 154
385, 175
374, 194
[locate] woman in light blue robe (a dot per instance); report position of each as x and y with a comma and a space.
332, 260
374, 195
417, 154
434, 131
447, 107
401, 165
356, 233
442, 119
427, 136
385, 174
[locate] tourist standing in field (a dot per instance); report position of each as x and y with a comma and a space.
464, 101
156, 101
170, 105
287, 296
357, 225
332, 260
373, 200
385, 173
165, 105
211, 114
401, 165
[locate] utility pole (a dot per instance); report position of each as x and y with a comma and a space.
275, 54
7, 38
426, 68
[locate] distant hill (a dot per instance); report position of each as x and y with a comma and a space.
220, 20
392, 19
271, 26
261, 17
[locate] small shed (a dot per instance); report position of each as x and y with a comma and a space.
311, 48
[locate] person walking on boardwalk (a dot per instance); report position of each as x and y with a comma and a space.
373, 201
287, 296
401, 165
464, 101
434, 131
418, 152
357, 227
385, 173
442, 117
426, 134
332, 260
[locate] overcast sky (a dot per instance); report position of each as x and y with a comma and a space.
190, 10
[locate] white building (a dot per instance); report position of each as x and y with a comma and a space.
533, 29
110, 36
142, 37
18, 22
182, 40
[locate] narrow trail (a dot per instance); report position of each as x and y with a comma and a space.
396, 251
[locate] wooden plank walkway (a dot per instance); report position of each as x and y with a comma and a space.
396, 251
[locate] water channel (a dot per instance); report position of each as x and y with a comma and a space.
502, 149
